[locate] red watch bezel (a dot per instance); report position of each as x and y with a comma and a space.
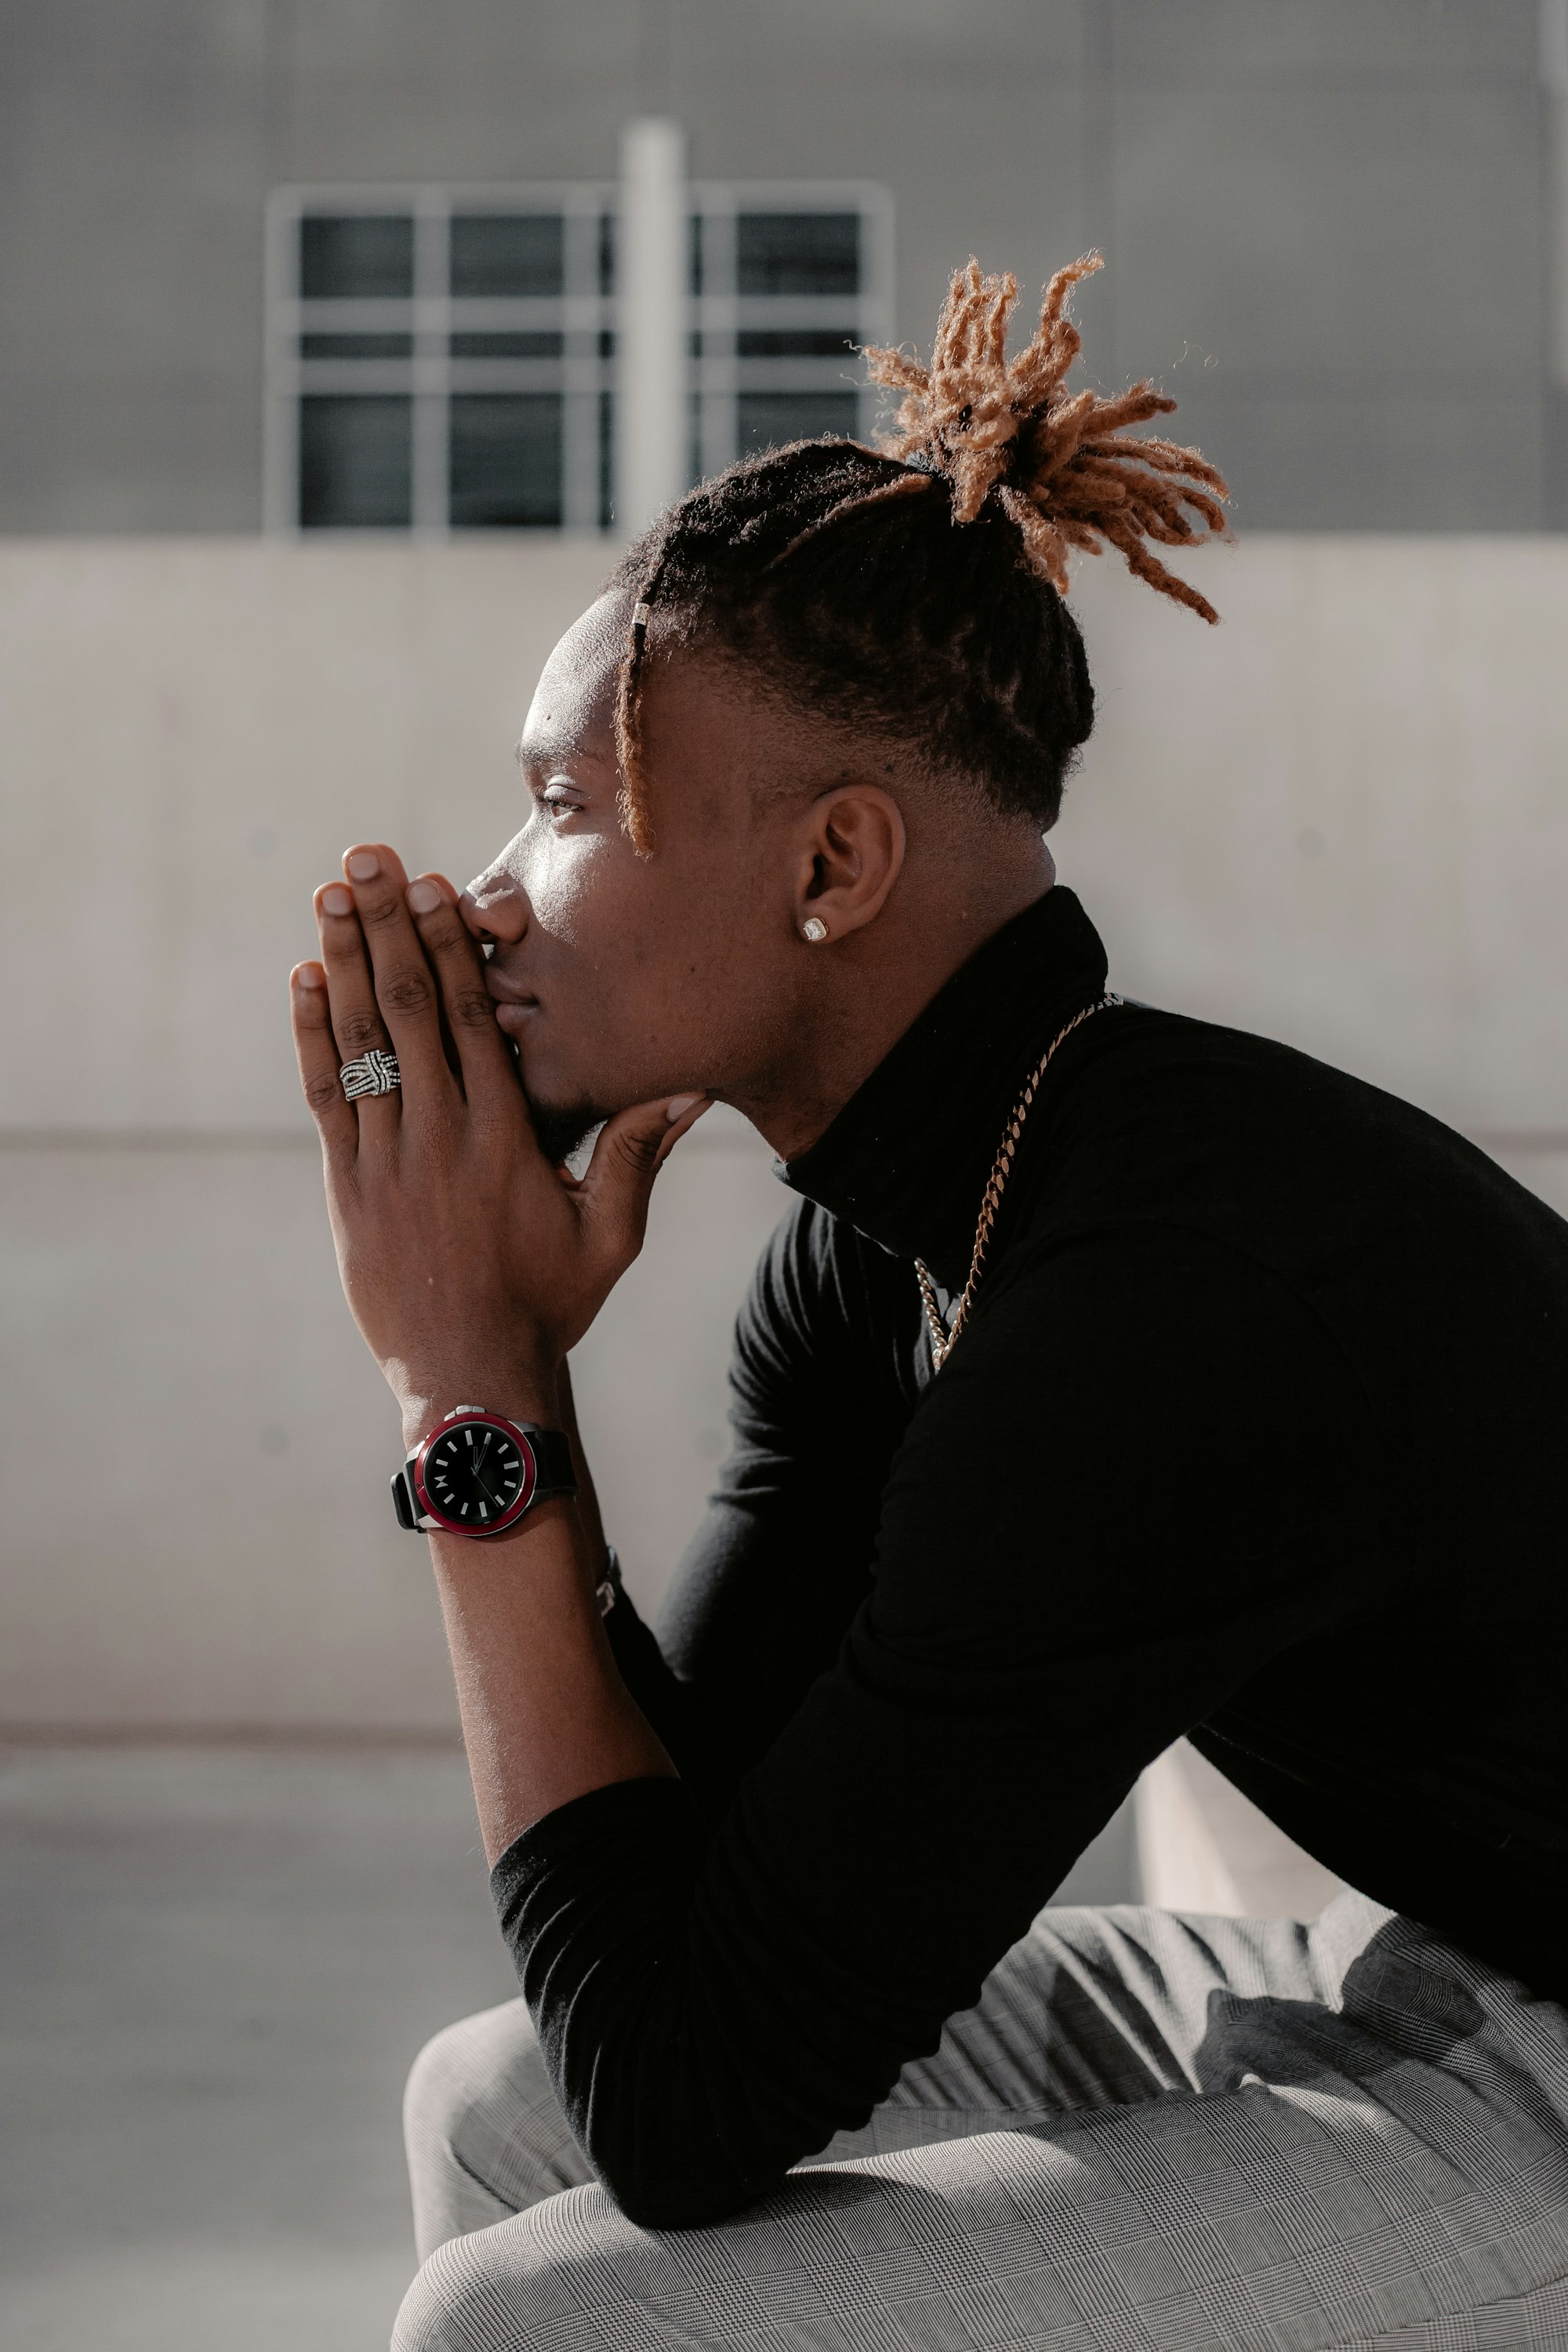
530, 1482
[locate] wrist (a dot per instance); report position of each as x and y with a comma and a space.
524, 1392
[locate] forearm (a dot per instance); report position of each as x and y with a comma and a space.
588, 1511
473, 1265
545, 1715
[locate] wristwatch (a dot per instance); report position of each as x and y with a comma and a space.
477, 1473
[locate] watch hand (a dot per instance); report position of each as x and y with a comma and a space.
485, 1489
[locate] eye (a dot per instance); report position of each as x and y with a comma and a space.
560, 796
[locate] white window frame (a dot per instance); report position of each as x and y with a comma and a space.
581, 314
719, 314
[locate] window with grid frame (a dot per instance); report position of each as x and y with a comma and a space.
444, 359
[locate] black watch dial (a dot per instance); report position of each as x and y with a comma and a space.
474, 1474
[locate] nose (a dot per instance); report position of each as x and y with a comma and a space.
494, 907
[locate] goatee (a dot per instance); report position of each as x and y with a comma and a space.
562, 1133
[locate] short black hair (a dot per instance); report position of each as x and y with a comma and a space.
895, 618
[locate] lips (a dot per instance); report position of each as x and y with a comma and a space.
506, 990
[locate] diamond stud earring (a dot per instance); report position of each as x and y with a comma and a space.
814, 928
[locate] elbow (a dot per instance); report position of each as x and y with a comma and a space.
677, 2191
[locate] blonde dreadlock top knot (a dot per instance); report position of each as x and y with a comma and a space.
1055, 462
841, 576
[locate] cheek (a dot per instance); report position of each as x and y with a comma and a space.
570, 883
602, 927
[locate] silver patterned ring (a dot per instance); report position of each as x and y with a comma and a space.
375, 1073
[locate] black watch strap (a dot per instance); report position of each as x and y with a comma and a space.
552, 1452
403, 1501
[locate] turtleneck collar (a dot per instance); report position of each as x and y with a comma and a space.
907, 1159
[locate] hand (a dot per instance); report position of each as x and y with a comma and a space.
470, 1262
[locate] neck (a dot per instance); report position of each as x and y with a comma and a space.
905, 1161
871, 986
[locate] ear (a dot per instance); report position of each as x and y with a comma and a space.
851, 852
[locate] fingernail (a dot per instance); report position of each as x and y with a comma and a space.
362, 865
309, 975
424, 898
679, 1107
336, 900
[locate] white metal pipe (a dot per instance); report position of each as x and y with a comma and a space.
1554, 74
652, 422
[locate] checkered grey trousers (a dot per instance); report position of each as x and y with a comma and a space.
1154, 2134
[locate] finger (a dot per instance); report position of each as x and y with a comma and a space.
356, 1018
619, 1179
317, 1050
400, 970
483, 1053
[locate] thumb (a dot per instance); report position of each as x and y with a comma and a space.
631, 1150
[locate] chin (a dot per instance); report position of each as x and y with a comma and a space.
563, 1128
562, 1118
565, 1115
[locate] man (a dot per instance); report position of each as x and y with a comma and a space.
1114, 1377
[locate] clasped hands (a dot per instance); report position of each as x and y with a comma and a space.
470, 1262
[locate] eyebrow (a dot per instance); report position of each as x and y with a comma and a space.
563, 749
542, 751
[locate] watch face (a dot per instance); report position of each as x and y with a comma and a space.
476, 1476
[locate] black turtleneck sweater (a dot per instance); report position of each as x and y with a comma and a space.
1256, 1432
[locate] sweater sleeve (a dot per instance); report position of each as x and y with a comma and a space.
825, 1343
1106, 1517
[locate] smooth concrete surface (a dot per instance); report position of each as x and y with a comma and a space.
215, 1969
1338, 819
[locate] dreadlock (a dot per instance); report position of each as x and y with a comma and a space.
845, 577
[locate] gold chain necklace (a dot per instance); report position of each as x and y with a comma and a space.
942, 1341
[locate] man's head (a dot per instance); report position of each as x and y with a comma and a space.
795, 764
623, 974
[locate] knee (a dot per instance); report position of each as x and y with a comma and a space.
484, 2134
464, 2072
450, 2306
439, 2091
559, 2274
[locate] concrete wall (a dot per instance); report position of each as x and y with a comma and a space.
1341, 818
1326, 221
